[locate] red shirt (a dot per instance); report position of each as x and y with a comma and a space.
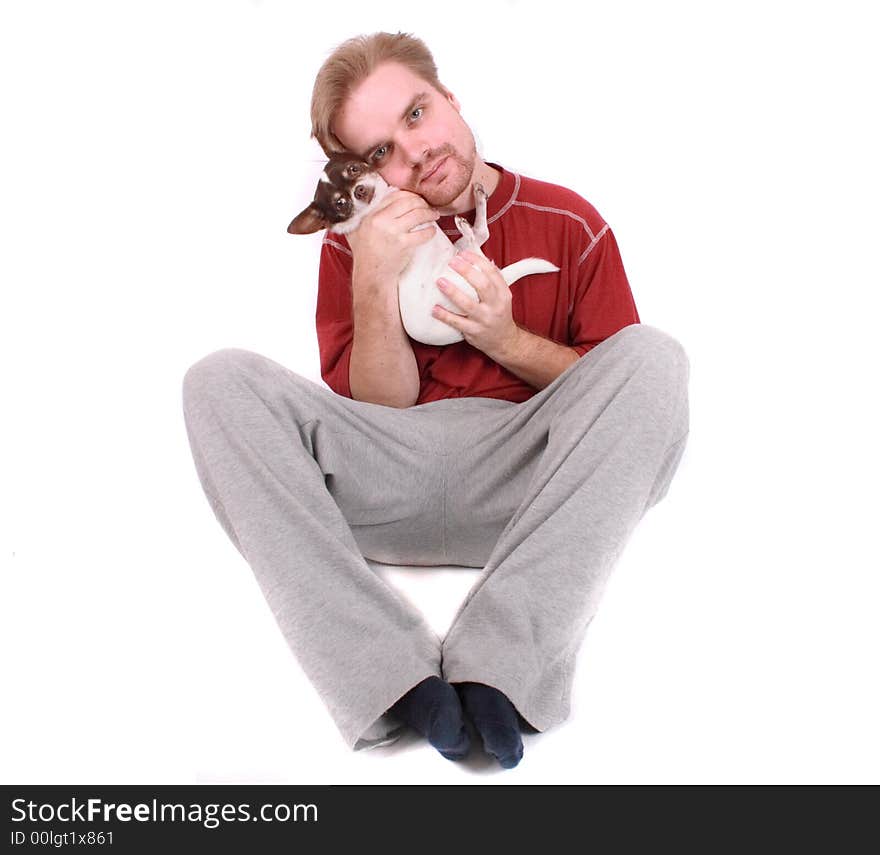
587, 301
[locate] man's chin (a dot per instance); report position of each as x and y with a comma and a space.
457, 183
438, 200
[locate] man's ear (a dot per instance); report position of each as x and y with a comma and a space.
452, 99
308, 221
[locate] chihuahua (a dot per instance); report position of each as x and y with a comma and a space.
350, 188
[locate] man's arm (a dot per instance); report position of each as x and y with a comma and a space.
603, 305
535, 359
488, 324
383, 368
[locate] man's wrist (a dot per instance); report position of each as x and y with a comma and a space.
510, 351
535, 359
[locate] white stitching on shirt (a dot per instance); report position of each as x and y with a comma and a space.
511, 201
589, 249
574, 216
594, 239
337, 245
455, 233
586, 252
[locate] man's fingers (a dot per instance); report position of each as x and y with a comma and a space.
396, 203
419, 236
405, 213
400, 195
404, 202
415, 218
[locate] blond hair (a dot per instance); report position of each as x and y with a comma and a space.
351, 63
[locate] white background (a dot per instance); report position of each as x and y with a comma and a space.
152, 156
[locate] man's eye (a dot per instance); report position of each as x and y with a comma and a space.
379, 153
417, 110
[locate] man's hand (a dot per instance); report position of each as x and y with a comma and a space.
383, 244
487, 325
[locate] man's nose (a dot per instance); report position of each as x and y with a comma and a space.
416, 154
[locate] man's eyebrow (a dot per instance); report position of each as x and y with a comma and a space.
422, 96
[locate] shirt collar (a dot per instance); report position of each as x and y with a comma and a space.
501, 199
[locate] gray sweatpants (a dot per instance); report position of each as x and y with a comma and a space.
543, 495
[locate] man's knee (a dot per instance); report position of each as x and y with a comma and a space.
215, 371
655, 357
647, 340
645, 343
668, 367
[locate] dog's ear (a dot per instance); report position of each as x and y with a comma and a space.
308, 221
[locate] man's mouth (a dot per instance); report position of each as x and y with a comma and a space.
435, 168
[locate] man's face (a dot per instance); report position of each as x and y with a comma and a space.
404, 127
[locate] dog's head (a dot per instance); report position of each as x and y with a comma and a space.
345, 193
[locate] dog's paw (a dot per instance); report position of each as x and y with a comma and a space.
480, 191
464, 227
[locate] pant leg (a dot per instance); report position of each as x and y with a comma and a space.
305, 483
576, 467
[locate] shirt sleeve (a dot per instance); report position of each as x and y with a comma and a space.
334, 320
603, 302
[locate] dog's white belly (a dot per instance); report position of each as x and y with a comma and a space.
418, 291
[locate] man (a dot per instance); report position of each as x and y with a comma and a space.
531, 449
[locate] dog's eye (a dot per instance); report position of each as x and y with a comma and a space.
342, 202
354, 169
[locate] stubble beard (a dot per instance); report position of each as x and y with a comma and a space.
460, 169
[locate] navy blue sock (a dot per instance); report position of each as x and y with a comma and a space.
434, 710
496, 719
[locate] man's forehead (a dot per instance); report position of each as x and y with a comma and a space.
374, 109
387, 82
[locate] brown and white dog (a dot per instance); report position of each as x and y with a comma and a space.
350, 188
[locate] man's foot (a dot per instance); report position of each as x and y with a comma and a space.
433, 709
496, 720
